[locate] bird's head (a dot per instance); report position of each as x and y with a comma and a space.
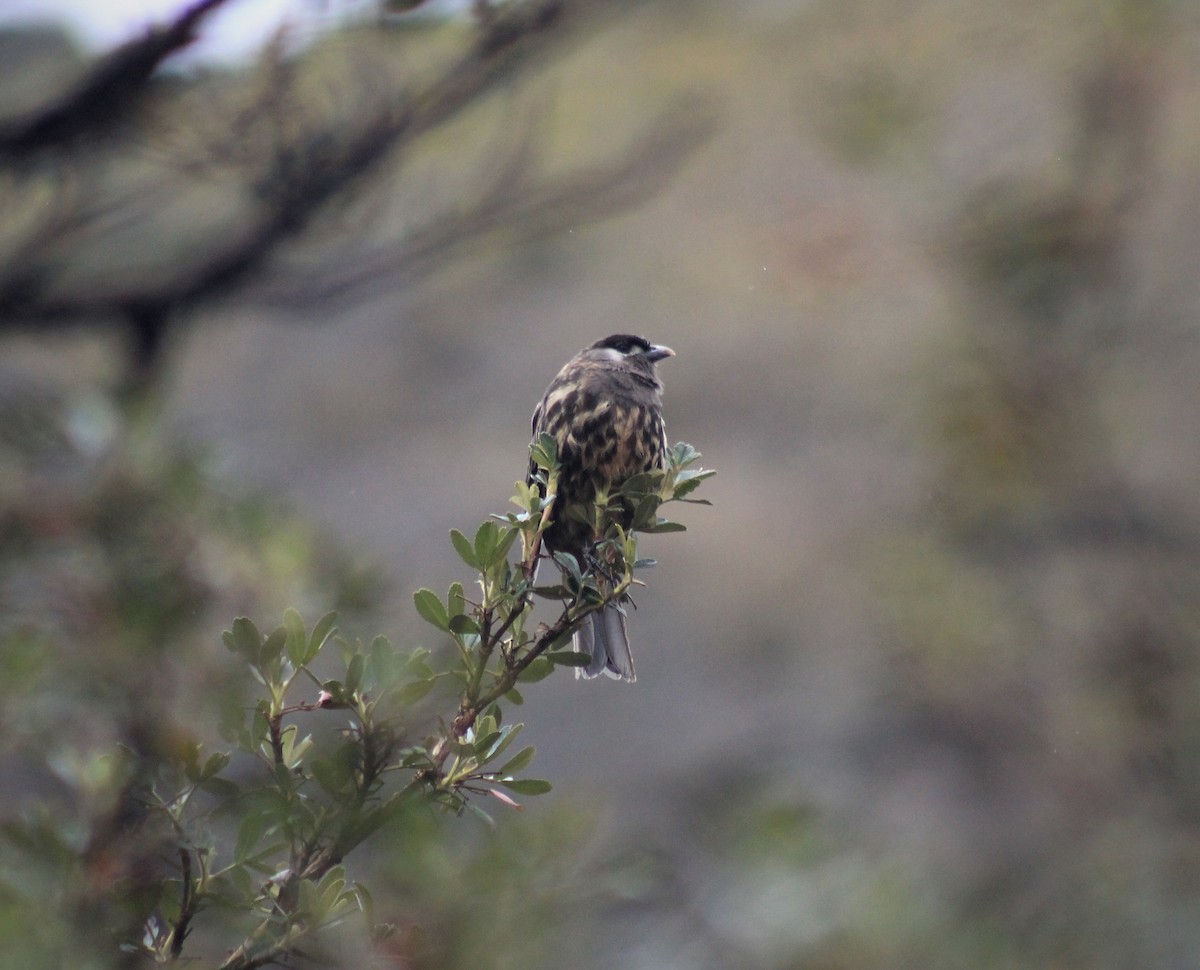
626, 349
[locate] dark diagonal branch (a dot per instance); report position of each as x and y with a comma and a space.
303, 176
108, 90
284, 164
520, 203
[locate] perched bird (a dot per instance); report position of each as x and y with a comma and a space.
605, 411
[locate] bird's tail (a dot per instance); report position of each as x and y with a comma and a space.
603, 637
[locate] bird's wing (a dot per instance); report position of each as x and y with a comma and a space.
537, 417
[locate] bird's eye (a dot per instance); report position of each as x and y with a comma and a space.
623, 344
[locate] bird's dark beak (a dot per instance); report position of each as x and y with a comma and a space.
658, 352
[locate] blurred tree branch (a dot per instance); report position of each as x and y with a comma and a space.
1048, 263
108, 91
274, 165
518, 201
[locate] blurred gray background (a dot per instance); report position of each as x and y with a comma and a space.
921, 687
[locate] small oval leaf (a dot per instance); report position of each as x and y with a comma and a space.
430, 608
518, 762
295, 636
320, 634
462, 545
527, 786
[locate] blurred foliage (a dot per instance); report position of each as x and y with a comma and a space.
870, 115
117, 552
118, 544
118, 555
1041, 615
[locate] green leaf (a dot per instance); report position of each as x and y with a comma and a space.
333, 776
463, 624
498, 743
412, 692
295, 637
485, 543
544, 451
485, 725
688, 481
414, 757
330, 888
383, 662
354, 672
480, 813
507, 542
417, 664
484, 745
366, 904
568, 658
527, 498
682, 455
527, 786
564, 638
243, 639
217, 762
253, 826
518, 762
462, 545
430, 608
504, 544
514, 697
694, 474
569, 564
664, 525
642, 482
645, 513
309, 901
320, 634
291, 749
456, 601
539, 669
233, 727
272, 648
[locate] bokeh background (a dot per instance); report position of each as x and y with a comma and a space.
921, 688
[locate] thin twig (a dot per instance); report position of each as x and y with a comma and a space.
275, 729
188, 905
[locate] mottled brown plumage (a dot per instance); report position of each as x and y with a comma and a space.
605, 411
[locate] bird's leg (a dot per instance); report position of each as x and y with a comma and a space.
603, 560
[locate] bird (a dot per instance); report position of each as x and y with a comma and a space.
604, 411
